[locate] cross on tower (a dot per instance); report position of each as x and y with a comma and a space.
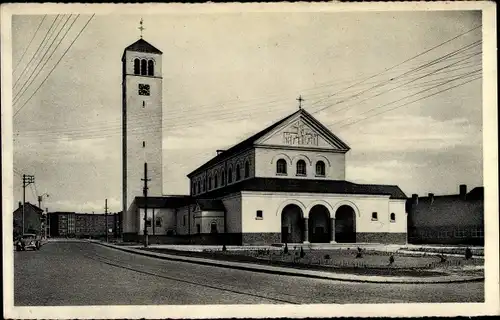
141, 27
299, 99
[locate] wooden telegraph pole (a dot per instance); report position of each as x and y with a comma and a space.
145, 191
106, 218
27, 180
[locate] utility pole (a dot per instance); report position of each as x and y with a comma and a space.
27, 180
47, 219
106, 218
145, 190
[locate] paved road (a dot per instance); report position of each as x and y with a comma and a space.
80, 273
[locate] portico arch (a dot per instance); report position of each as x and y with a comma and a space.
291, 201
345, 224
348, 203
319, 225
324, 203
292, 226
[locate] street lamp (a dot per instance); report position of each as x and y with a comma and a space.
40, 199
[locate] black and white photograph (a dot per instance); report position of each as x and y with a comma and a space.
239, 160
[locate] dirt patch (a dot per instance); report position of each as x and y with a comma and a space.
338, 261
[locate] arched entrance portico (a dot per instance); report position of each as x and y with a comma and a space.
345, 224
319, 224
292, 229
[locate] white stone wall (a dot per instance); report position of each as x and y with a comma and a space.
233, 205
205, 219
272, 205
168, 217
266, 159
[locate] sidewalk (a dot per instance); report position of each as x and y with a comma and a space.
292, 271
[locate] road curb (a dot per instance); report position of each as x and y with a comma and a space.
290, 271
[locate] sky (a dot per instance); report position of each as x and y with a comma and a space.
365, 75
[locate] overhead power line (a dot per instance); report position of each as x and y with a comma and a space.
393, 88
57, 63
36, 52
148, 127
26, 85
392, 102
29, 44
420, 67
414, 57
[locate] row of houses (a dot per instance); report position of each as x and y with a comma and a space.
432, 219
84, 225
65, 224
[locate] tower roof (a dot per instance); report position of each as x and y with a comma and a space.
142, 45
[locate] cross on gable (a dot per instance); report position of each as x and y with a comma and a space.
299, 99
141, 28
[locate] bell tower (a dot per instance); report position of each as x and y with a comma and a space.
141, 125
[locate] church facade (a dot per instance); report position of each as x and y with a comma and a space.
285, 184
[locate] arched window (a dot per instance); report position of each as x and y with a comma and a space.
223, 178
281, 166
193, 188
137, 66
320, 168
238, 173
151, 68
247, 169
216, 180
209, 183
230, 175
301, 168
144, 67
393, 217
204, 185
158, 222
199, 188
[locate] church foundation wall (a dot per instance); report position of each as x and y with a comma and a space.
381, 237
261, 238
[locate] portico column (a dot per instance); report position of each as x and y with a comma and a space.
332, 230
306, 230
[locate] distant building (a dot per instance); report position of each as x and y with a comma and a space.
32, 219
447, 219
84, 225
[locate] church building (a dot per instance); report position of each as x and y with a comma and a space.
284, 184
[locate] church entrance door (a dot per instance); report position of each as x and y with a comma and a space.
291, 224
345, 225
319, 224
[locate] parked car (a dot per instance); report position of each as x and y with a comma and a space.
28, 241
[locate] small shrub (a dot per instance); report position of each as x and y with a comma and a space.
285, 251
468, 254
391, 260
224, 247
302, 253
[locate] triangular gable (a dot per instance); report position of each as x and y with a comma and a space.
303, 130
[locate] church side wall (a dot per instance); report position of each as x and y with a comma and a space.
225, 165
266, 159
130, 221
183, 220
268, 229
